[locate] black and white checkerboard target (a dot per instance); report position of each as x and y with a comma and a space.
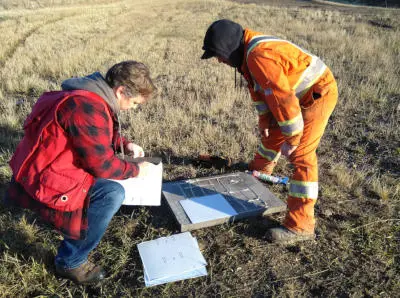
247, 196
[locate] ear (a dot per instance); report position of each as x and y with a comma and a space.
119, 92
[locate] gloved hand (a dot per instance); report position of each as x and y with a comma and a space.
264, 132
263, 126
134, 150
287, 149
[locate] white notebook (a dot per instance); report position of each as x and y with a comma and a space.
172, 258
144, 191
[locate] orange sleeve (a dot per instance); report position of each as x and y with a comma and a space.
270, 74
264, 118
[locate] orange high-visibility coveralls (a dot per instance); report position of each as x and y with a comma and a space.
294, 94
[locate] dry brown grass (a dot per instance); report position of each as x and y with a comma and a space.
37, 4
199, 110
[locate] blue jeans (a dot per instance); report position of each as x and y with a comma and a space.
106, 198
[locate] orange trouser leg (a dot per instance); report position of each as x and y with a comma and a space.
268, 152
303, 189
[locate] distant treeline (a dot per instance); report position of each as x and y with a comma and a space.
382, 3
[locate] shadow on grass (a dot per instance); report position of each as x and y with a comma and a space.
17, 237
160, 216
257, 227
9, 137
206, 162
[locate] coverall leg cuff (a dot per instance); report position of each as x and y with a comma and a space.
262, 165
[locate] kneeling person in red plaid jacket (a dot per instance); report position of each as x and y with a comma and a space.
62, 165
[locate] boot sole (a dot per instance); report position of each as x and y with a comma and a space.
91, 282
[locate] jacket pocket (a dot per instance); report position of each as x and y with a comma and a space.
316, 95
57, 190
311, 99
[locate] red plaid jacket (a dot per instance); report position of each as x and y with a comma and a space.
87, 124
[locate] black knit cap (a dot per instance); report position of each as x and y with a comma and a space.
222, 38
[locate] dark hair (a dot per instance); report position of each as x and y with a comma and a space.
134, 76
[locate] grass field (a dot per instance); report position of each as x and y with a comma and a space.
357, 252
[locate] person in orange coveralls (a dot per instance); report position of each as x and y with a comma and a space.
294, 94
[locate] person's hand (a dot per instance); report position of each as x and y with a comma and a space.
264, 132
287, 149
134, 150
144, 168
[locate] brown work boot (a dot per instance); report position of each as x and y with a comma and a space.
283, 235
84, 274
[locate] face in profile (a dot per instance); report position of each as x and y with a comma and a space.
127, 102
132, 102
